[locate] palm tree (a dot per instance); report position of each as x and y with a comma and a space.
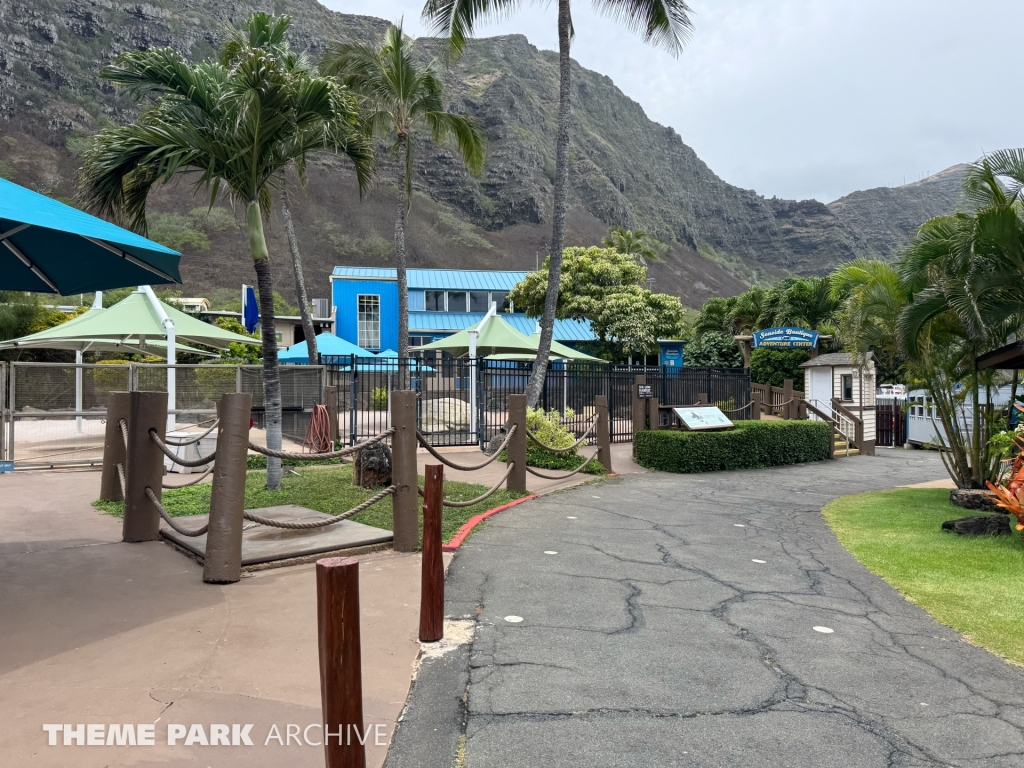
236, 124
399, 98
661, 22
636, 243
308, 331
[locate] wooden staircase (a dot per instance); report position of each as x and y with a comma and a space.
841, 448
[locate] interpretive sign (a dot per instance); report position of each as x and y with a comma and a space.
644, 391
702, 417
786, 338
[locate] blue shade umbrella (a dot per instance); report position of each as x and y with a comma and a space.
49, 247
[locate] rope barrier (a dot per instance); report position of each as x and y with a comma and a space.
741, 408
262, 449
174, 457
320, 523
192, 440
123, 424
170, 520
562, 451
486, 495
190, 482
120, 474
534, 472
462, 467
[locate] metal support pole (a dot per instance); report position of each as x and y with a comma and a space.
353, 400
78, 390
113, 446
223, 561
405, 502
604, 437
517, 445
341, 663
146, 411
432, 582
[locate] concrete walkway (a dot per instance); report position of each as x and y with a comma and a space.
707, 621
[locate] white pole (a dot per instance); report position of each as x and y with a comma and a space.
472, 380
78, 390
168, 326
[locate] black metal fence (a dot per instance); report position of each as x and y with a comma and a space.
465, 402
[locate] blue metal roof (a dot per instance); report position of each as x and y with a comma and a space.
450, 322
439, 279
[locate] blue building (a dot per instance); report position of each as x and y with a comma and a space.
441, 302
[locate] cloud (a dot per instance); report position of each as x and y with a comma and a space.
805, 98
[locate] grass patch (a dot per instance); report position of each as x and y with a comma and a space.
326, 490
971, 584
541, 459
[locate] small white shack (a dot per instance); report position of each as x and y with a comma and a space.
838, 377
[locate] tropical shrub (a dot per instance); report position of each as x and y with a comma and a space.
379, 399
774, 366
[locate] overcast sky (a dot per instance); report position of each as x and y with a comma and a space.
807, 98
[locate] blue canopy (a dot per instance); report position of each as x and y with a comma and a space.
327, 344
49, 247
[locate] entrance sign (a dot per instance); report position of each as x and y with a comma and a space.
702, 417
644, 391
786, 338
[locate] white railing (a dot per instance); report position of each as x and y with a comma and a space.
842, 423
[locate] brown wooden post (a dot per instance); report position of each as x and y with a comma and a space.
787, 395
517, 445
702, 398
331, 403
145, 469
604, 434
653, 414
801, 409
223, 561
755, 405
405, 502
432, 582
341, 664
639, 405
113, 447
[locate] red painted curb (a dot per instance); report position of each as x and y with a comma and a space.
475, 520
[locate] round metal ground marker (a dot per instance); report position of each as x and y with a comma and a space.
824, 630
513, 619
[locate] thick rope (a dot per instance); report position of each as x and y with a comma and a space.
174, 457
562, 451
462, 467
484, 496
123, 424
120, 474
320, 523
534, 472
170, 520
196, 439
190, 482
737, 410
320, 456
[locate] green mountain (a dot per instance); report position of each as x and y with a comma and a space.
626, 169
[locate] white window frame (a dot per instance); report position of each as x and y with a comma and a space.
367, 326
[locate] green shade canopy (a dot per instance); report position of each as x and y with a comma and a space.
495, 337
133, 320
157, 347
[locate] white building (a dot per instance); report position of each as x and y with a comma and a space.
836, 379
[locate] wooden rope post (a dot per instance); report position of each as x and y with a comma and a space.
604, 435
145, 467
517, 445
341, 663
787, 394
702, 398
113, 446
639, 404
755, 405
405, 502
223, 561
432, 582
653, 413
331, 403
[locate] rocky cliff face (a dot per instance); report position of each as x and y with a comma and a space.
625, 170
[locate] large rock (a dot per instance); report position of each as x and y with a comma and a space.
982, 525
445, 414
972, 498
373, 466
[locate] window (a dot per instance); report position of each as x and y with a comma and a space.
434, 301
457, 301
415, 301
479, 301
501, 299
368, 321
846, 385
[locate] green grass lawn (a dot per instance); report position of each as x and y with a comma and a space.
972, 584
325, 490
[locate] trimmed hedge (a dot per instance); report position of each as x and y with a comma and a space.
750, 445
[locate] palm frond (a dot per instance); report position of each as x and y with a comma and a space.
664, 23
456, 20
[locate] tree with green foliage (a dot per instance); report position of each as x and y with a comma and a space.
774, 366
661, 22
713, 349
235, 123
605, 287
633, 242
399, 98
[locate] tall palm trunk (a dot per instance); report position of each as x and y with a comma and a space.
300, 279
405, 149
547, 323
271, 372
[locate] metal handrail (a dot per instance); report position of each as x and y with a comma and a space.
829, 414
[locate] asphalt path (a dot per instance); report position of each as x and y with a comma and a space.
706, 621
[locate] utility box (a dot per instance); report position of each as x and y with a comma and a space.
190, 452
671, 355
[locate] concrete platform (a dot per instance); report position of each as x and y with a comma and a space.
262, 544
